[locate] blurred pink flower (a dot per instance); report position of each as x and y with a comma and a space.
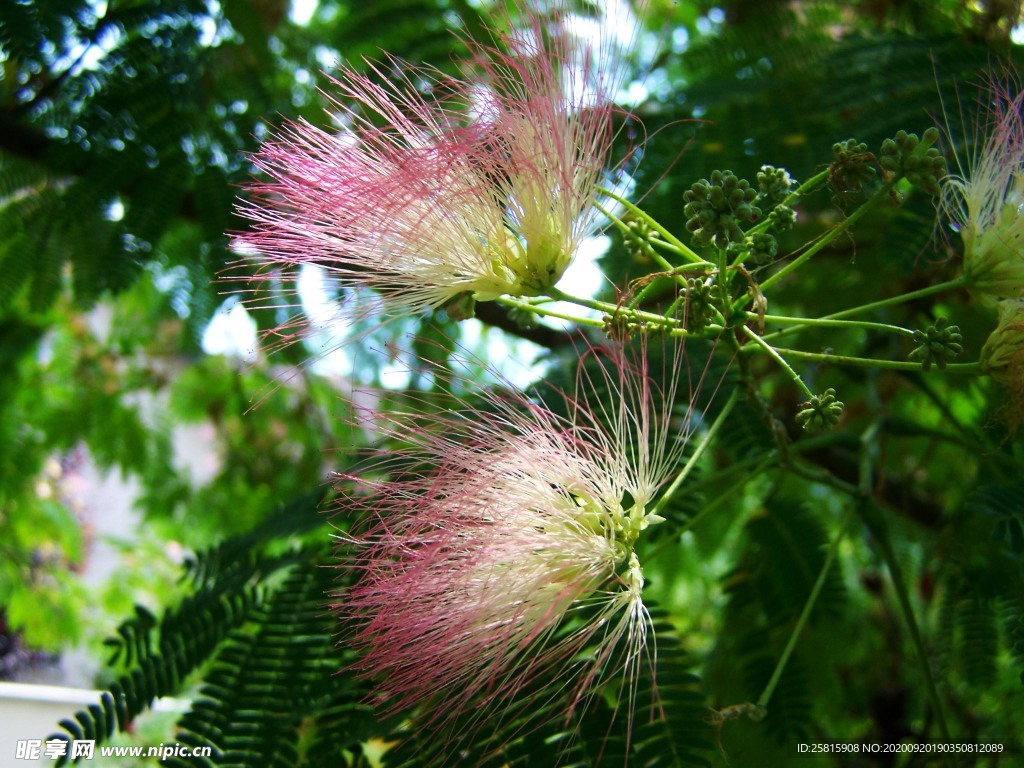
985, 202
499, 553
433, 188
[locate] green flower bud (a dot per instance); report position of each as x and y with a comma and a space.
853, 166
782, 218
774, 183
917, 160
762, 248
637, 237
938, 344
821, 411
702, 302
715, 208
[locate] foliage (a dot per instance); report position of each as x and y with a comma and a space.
862, 580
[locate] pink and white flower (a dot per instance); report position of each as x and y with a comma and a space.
985, 202
500, 553
434, 188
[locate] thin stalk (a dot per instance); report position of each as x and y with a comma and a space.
889, 557
672, 248
637, 300
747, 467
863, 362
829, 236
757, 466
722, 279
601, 306
705, 441
777, 356
827, 322
660, 260
613, 309
821, 476
805, 614
683, 250
948, 285
676, 272
539, 309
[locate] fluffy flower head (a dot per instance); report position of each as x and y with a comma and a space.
986, 203
510, 562
434, 188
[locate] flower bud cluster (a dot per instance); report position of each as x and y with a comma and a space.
774, 183
635, 236
703, 303
821, 411
715, 208
782, 218
938, 344
853, 166
757, 249
915, 159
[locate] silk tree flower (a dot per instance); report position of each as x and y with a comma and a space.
986, 203
499, 553
434, 189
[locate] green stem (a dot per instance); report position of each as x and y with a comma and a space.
875, 524
685, 253
660, 260
805, 614
826, 322
948, 285
601, 306
775, 355
676, 272
821, 476
722, 278
863, 362
670, 324
829, 236
701, 447
682, 249
638, 299
748, 468
752, 467
539, 309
